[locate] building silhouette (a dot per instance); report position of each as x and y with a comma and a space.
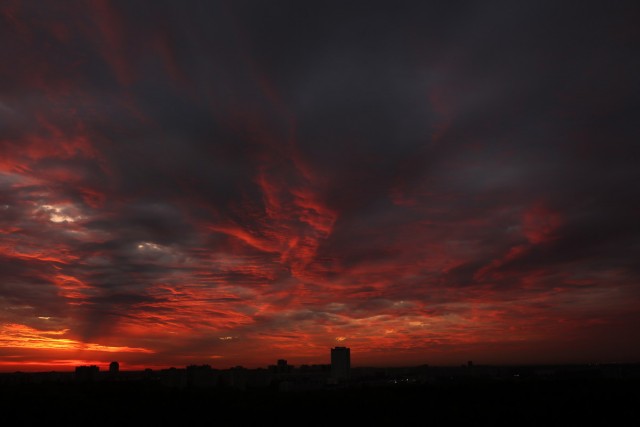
283, 367
114, 368
340, 363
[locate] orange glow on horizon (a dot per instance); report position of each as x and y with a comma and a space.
21, 336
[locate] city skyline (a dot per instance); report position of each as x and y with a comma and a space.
238, 182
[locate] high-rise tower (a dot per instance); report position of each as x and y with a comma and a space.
340, 362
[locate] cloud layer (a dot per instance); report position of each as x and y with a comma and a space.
236, 182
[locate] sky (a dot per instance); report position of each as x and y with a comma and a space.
236, 182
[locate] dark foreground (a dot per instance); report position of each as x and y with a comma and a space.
566, 402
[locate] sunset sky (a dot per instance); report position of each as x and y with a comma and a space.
234, 182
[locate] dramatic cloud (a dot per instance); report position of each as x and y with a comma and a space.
237, 182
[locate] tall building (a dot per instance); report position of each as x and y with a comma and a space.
340, 362
114, 368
